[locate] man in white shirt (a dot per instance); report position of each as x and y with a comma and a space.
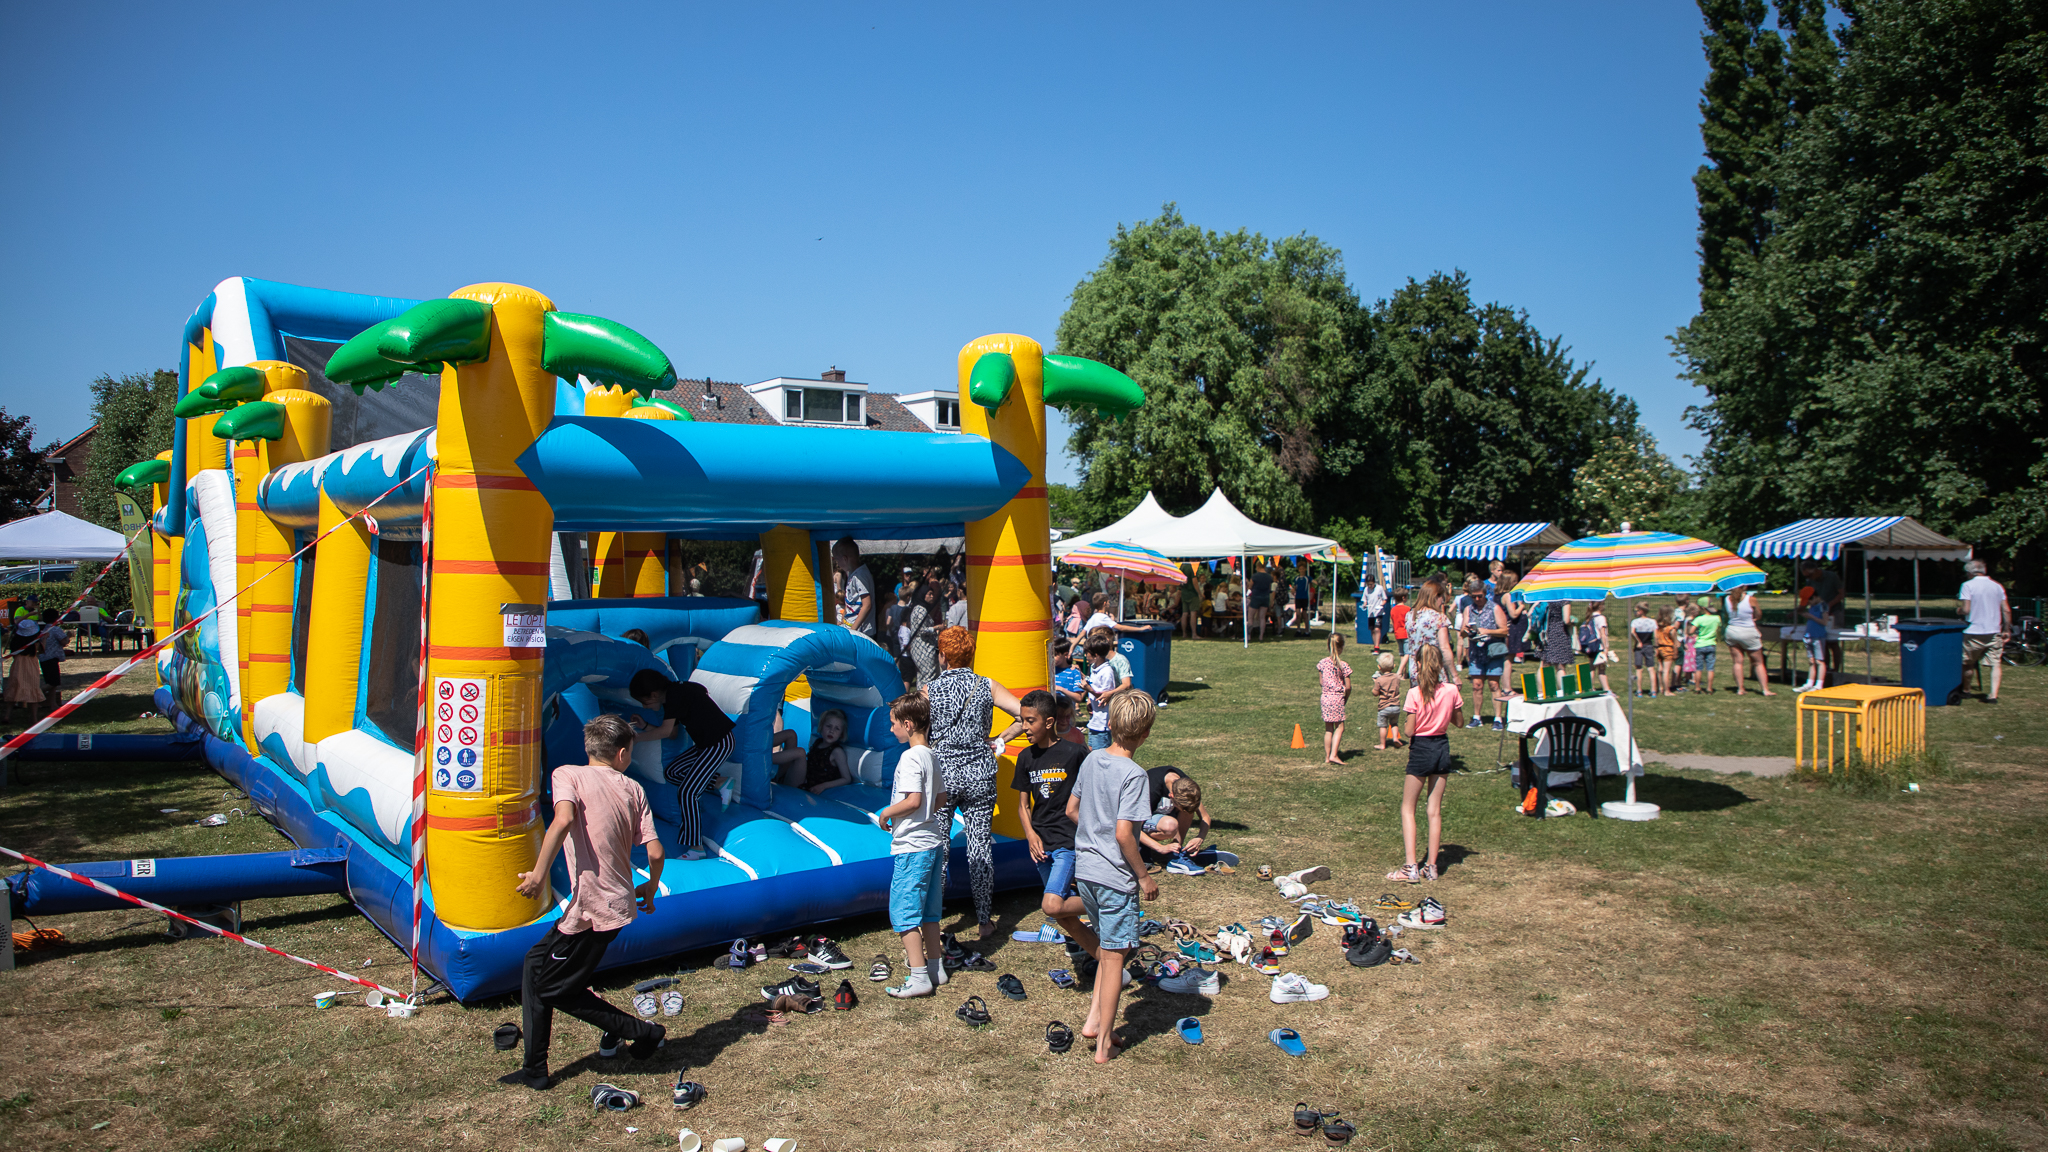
1372, 608
1982, 602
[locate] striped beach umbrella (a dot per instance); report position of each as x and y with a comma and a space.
1636, 564
1130, 561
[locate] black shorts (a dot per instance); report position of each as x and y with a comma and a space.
1429, 756
53, 671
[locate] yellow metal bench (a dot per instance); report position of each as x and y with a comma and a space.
1878, 723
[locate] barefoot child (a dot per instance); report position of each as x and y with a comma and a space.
1108, 807
1386, 695
1046, 772
600, 814
1335, 675
1706, 642
919, 827
1432, 707
1667, 653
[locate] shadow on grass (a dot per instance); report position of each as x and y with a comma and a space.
1679, 794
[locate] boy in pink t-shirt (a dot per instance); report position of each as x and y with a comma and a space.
600, 814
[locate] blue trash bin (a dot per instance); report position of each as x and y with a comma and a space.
1151, 655
1931, 659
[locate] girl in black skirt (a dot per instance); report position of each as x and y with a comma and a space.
1433, 709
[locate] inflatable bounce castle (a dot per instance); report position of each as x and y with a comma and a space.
301, 408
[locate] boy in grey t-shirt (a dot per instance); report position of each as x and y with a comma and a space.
1110, 802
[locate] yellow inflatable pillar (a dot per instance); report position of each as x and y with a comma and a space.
163, 561
491, 548
790, 564
608, 550
308, 423
334, 641
1009, 554
645, 567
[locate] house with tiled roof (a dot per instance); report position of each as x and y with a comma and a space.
828, 401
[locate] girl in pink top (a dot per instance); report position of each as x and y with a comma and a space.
1433, 708
1335, 677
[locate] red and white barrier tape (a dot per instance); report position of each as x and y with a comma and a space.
236, 936
420, 743
120, 670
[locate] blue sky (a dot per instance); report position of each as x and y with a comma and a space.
768, 190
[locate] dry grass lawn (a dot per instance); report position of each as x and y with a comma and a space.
1772, 965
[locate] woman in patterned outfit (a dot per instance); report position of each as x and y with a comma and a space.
962, 725
923, 626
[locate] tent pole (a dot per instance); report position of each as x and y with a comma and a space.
1869, 677
1916, 587
1244, 595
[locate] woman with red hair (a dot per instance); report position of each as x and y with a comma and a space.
962, 723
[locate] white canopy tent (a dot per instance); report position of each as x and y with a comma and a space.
1217, 530
1147, 516
58, 536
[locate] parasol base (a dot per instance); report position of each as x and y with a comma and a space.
1630, 810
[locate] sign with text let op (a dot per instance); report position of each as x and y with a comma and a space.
460, 704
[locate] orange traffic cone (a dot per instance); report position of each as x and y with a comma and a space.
1298, 741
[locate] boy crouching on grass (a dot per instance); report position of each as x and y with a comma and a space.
1109, 805
920, 837
600, 814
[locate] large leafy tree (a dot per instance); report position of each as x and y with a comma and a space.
133, 414
1264, 375
1885, 352
22, 474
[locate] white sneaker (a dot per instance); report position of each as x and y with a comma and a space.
1415, 918
1291, 988
1310, 875
1290, 889
1195, 981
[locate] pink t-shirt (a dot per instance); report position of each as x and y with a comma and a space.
612, 816
1435, 718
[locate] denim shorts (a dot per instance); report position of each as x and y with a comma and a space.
1098, 740
917, 889
1113, 913
1056, 872
1152, 821
1482, 666
1703, 659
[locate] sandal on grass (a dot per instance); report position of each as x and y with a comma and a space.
1058, 1037
1265, 872
1429, 871
975, 1012
1061, 978
1390, 903
1406, 873
1339, 1132
1288, 1041
1308, 1121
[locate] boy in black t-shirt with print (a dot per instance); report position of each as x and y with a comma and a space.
1046, 772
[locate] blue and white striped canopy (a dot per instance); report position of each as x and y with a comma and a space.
1495, 541
1883, 537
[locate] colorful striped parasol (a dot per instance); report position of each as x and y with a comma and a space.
1126, 560
1635, 564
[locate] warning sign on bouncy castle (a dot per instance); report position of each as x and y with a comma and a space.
459, 709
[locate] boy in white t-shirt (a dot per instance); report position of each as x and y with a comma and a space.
919, 839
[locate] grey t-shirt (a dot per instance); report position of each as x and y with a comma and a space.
1111, 788
860, 592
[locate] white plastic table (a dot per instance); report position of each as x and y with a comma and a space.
1607, 710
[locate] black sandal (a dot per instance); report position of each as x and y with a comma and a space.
1058, 1038
1010, 986
1307, 1121
975, 1011
506, 1037
1339, 1132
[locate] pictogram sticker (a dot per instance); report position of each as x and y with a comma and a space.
459, 733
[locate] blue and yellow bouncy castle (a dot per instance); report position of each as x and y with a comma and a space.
534, 428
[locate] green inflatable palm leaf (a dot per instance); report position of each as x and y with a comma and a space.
142, 474
420, 339
234, 385
1073, 380
256, 420
604, 351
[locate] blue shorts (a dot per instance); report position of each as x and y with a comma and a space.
1152, 821
1703, 659
917, 889
1098, 740
1114, 914
1056, 872
1482, 666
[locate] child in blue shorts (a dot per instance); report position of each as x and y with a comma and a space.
1110, 803
919, 825
1046, 772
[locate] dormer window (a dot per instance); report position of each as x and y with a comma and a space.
821, 405
949, 413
